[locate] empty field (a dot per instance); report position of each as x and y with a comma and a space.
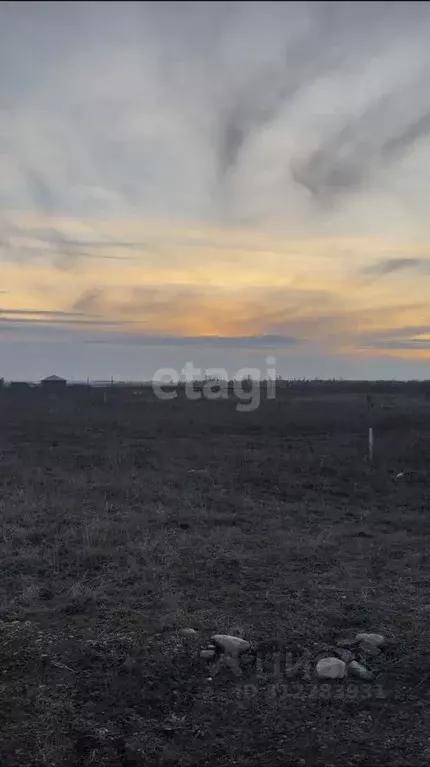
122, 523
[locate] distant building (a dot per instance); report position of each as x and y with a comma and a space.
54, 383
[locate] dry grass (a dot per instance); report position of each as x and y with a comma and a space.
120, 524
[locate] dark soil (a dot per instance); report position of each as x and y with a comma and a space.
123, 522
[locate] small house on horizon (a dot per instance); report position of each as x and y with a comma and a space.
54, 382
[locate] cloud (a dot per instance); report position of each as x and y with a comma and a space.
39, 312
88, 302
210, 310
126, 130
396, 145
53, 322
196, 115
402, 338
388, 344
22, 244
365, 144
202, 342
273, 316
387, 266
259, 96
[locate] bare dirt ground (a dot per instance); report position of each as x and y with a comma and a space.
122, 523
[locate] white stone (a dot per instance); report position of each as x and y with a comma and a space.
357, 669
188, 632
331, 668
230, 644
374, 639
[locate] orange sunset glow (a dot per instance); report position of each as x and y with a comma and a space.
187, 182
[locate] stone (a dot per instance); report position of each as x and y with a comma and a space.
375, 639
207, 654
230, 645
232, 662
188, 632
360, 671
345, 655
331, 668
367, 648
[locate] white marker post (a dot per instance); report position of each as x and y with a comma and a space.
370, 406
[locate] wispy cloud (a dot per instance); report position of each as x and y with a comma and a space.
202, 342
49, 314
417, 344
22, 244
181, 113
388, 266
217, 170
365, 144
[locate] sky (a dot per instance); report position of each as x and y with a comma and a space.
216, 183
